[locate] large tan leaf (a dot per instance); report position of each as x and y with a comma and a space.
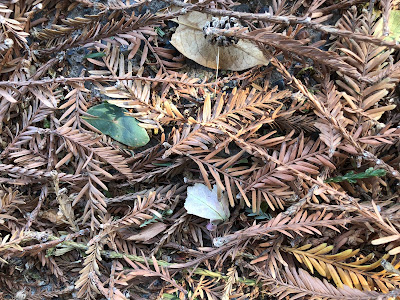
190, 41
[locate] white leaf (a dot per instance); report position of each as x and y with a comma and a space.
204, 203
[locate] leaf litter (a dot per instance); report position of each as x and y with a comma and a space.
280, 168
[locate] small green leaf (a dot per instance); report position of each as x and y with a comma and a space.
159, 31
168, 164
261, 215
112, 120
95, 54
46, 123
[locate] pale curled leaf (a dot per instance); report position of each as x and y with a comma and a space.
190, 41
204, 203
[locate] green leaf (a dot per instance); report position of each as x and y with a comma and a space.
204, 203
46, 123
95, 54
352, 178
258, 216
112, 120
168, 164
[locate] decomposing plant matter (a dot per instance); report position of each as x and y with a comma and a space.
290, 170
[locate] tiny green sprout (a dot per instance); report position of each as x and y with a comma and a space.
243, 161
46, 123
311, 90
304, 70
352, 177
107, 194
159, 31
167, 164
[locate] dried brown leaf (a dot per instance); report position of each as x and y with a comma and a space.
190, 41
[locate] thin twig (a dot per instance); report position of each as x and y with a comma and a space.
69, 80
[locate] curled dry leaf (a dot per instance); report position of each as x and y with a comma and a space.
204, 203
190, 41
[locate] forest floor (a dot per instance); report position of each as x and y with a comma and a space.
199, 150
